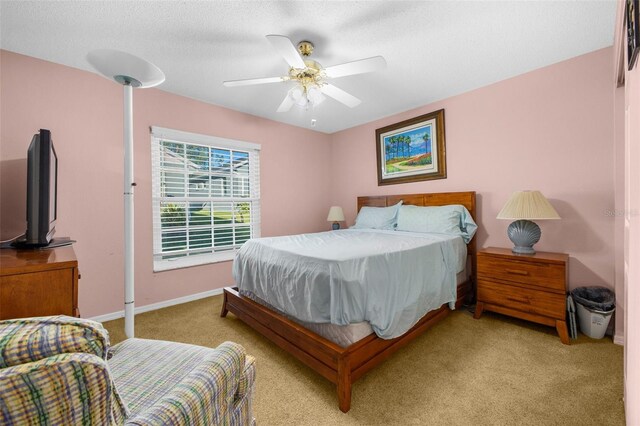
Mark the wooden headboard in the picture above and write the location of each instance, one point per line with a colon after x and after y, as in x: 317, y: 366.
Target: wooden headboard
x: 467, y: 199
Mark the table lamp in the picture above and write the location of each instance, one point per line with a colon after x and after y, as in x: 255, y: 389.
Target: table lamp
x: 525, y: 206
x: 336, y: 216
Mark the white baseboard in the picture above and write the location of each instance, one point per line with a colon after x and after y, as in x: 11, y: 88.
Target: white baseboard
x: 159, y: 305
x: 618, y: 340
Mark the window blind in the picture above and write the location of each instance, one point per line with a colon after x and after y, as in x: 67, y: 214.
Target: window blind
x: 206, y: 197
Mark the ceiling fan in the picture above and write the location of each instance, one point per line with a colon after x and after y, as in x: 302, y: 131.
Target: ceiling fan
x: 311, y: 77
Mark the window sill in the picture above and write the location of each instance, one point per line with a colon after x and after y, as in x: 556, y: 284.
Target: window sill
x: 189, y: 261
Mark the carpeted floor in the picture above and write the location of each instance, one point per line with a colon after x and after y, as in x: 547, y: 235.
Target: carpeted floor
x: 495, y: 370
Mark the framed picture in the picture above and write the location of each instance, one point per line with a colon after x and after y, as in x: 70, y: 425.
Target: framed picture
x: 412, y: 150
x: 633, y: 32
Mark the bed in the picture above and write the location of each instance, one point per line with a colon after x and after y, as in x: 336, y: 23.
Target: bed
x: 343, y: 365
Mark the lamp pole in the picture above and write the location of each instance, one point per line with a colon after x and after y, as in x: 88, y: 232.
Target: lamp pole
x: 129, y: 302
x: 130, y: 71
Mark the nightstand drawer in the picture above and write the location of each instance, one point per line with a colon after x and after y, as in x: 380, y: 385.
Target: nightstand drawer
x: 545, y: 275
x: 522, y: 299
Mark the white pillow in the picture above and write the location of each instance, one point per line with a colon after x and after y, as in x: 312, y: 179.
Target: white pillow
x: 453, y: 219
x: 377, y: 217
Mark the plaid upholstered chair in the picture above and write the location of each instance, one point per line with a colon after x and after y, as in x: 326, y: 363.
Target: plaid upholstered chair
x: 61, y: 371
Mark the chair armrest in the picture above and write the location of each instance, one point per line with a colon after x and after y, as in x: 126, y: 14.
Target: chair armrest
x: 242, y: 413
x: 31, y: 339
x: 247, y: 379
x: 204, y: 396
x: 63, y: 389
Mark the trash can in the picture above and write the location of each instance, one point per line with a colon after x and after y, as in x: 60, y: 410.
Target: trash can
x: 595, y: 307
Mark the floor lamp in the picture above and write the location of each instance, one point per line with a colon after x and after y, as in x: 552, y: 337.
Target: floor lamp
x: 130, y: 71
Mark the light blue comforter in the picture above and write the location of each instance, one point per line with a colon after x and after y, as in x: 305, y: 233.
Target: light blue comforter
x: 389, y: 278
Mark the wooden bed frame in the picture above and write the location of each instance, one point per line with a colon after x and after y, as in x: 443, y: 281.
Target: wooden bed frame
x: 339, y: 365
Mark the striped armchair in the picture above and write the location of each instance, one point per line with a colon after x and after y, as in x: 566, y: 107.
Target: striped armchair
x: 62, y: 371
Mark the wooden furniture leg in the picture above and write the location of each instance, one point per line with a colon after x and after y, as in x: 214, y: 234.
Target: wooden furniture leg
x: 561, y: 327
x: 224, y: 311
x: 344, y: 384
x: 479, y: 309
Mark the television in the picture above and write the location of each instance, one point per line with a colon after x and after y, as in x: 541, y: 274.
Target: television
x: 42, y: 191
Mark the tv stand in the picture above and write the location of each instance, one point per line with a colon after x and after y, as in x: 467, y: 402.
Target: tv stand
x: 38, y: 282
x: 55, y: 242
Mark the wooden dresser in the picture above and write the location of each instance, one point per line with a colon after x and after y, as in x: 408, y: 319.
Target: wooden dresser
x: 38, y: 282
x: 530, y: 287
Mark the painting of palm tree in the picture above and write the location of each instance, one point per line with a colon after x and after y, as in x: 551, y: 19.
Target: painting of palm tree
x: 412, y: 150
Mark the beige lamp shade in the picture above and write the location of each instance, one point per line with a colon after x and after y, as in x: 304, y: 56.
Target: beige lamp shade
x: 529, y: 205
x: 335, y: 214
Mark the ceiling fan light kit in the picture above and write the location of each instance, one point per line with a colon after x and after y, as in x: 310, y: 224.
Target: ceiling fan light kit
x: 310, y: 77
x: 306, y: 95
x: 315, y: 96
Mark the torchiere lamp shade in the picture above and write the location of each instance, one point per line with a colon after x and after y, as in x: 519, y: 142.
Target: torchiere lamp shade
x: 125, y: 68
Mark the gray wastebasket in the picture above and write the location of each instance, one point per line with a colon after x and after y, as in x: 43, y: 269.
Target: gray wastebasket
x: 595, y: 305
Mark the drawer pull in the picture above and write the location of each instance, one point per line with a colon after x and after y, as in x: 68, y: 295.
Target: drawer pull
x: 515, y: 299
x: 516, y: 272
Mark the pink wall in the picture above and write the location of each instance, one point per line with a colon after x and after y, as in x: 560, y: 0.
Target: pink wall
x: 84, y: 113
x: 550, y: 129
x: 619, y: 161
x: 631, y: 249
x: 632, y: 255
x: 632, y: 281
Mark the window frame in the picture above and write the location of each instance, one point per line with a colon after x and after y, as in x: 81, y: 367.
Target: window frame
x: 160, y: 134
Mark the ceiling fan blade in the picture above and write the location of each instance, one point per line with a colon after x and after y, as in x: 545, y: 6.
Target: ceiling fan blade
x: 285, y: 47
x: 356, y: 67
x: 252, y: 81
x: 340, y: 95
x: 286, y: 104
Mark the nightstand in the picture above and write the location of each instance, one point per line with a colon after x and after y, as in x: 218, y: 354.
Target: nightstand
x: 530, y: 287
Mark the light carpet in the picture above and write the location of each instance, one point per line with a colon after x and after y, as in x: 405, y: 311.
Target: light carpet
x: 493, y: 371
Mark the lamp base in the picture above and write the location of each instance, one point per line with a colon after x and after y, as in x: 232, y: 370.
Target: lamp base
x: 523, y: 234
x: 335, y: 226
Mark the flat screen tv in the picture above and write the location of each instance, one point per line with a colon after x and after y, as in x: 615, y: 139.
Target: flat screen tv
x: 42, y: 188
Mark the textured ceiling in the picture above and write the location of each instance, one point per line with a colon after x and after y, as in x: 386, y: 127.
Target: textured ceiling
x: 433, y: 49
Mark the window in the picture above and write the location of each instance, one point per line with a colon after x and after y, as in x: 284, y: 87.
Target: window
x: 206, y: 197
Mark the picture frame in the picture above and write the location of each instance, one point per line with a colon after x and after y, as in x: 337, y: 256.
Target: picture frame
x: 412, y: 150
x: 632, y: 16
